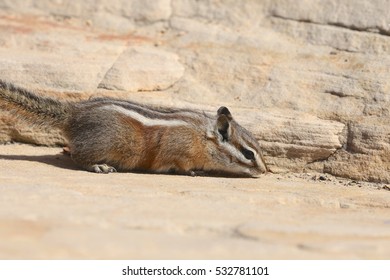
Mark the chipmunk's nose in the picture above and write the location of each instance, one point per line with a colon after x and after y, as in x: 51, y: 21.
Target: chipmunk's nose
x: 257, y: 171
x: 261, y: 166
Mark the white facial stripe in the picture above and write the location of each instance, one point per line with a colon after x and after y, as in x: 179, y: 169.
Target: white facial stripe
x: 258, y: 158
x: 144, y: 120
x: 245, y: 146
x: 235, y: 152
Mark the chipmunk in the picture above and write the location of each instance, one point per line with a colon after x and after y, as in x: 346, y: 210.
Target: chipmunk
x: 107, y: 135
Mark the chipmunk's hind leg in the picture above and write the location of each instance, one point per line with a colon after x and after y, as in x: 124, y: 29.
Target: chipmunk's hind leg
x: 92, y: 167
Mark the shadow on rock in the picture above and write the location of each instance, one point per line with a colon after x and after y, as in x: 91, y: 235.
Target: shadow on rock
x: 61, y: 161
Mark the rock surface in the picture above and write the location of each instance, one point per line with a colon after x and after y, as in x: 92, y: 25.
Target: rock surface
x: 143, y: 69
x: 310, y: 79
x: 55, y: 211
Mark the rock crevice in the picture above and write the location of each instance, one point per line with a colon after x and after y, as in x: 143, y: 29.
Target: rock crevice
x: 367, y: 29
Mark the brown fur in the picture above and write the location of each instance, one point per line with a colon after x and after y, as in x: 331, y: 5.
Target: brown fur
x: 106, y: 135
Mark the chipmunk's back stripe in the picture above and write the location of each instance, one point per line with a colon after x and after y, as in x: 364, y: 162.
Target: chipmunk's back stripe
x: 155, y: 113
x: 145, y: 120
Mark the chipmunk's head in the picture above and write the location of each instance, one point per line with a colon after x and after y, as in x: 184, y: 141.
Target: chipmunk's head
x: 233, y: 149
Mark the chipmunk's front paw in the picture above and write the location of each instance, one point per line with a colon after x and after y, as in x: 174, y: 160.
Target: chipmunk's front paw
x: 195, y: 173
x: 102, y: 168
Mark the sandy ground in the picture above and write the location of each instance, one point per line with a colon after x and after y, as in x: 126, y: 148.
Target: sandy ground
x: 52, y: 210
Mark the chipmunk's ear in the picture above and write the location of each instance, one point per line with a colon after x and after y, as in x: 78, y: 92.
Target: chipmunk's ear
x: 223, y: 127
x: 224, y: 111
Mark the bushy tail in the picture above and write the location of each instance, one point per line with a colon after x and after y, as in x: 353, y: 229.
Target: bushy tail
x: 32, y: 108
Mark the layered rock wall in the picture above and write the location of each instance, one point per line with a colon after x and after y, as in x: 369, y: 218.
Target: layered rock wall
x: 309, y: 78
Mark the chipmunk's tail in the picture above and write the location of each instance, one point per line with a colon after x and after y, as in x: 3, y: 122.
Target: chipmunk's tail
x: 30, y: 107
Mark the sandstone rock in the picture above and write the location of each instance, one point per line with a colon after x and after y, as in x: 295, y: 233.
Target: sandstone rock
x: 366, y: 16
x: 133, y: 10
x: 311, y: 80
x: 339, y: 38
x: 52, y: 210
x: 34, y: 53
x: 354, y: 26
x: 366, y: 154
x: 284, y: 136
x: 143, y: 69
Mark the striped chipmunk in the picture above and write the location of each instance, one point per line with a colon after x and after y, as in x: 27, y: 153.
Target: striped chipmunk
x: 106, y: 135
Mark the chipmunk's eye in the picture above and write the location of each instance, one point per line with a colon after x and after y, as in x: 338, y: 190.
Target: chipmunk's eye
x: 224, y: 134
x: 248, y: 154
